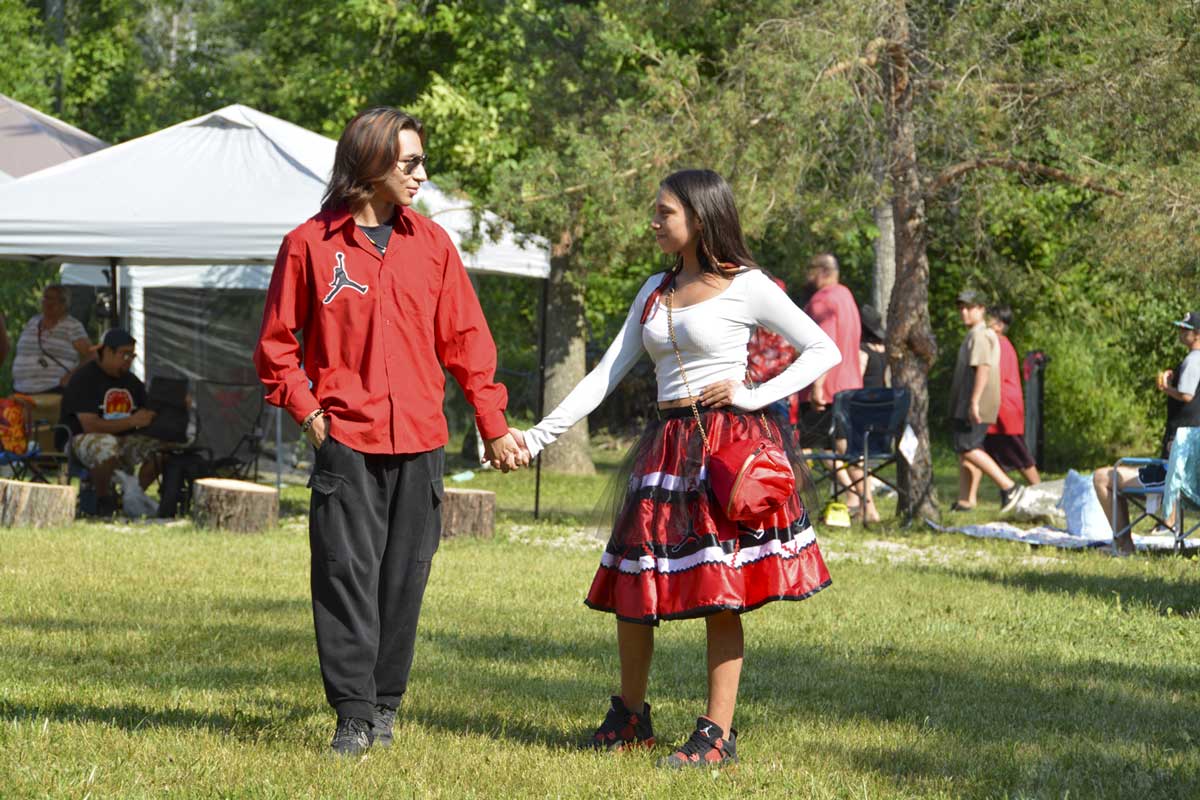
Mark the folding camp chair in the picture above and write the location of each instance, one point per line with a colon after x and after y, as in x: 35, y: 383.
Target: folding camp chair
x: 872, y: 422
x: 1180, y: 490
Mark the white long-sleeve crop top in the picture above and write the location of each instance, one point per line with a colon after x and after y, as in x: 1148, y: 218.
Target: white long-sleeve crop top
x: 713, y: 336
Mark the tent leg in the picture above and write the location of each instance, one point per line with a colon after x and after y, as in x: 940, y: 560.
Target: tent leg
x: 541, y: 391
x: 114, y: 311
x: 278, y: 449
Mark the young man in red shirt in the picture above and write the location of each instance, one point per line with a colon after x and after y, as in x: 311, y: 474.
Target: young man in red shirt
x: 383, y: 303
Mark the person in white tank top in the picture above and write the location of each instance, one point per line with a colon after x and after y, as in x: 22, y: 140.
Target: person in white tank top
x: 673, y: 554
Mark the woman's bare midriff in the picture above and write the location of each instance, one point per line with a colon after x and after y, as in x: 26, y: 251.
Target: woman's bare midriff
x: 683, y: 402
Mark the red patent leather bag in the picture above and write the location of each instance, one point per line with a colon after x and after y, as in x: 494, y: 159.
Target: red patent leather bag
x: 750, y: 478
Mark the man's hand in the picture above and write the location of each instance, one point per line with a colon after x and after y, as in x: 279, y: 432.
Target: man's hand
x: 976, y: 417
x: 317, y: 432
x: 504, y: 453
x: 141, y: 418
x: 719, y: 394
x: 1165, y: 379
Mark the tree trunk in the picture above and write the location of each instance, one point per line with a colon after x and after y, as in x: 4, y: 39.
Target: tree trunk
x: 468, y: 512
x: 231, y: 505
x: 566, y: 360
x: 912, y: 348
x: 885, y: 259
x: 35, y: 505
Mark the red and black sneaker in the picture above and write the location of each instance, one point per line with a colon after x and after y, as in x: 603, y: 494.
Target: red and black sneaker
x: 706, y: 747
x: 622, y: 729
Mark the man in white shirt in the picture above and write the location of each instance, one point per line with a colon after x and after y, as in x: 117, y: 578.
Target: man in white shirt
x: 1182, y: 389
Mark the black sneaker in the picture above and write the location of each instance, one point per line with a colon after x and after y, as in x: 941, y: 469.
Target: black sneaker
x: 352, y: 737
x: 1009, y: 499
x: 622, y: 729
x: 706, y: 747
x: 381, y: 726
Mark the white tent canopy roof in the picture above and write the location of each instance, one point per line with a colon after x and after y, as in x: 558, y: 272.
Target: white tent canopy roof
x: 223, y: 188
x: 31, y: 140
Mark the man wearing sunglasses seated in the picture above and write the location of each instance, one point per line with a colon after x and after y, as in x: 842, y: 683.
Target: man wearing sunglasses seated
x: 104, y: 406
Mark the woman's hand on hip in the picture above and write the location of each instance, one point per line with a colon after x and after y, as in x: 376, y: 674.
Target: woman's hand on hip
x: 719, y: 394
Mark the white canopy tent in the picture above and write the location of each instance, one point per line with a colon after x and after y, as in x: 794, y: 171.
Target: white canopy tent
x: 31, y: 140
x: 221, y: 189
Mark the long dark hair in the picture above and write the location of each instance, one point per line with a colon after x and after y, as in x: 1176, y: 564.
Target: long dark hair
x: 367, y: 151
x: 707, y: 198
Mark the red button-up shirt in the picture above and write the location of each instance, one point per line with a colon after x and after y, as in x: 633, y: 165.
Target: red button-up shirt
x: 377, y: 331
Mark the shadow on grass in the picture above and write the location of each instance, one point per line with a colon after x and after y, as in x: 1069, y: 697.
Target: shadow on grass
x: 133, y: 718
x: 1159, y: 593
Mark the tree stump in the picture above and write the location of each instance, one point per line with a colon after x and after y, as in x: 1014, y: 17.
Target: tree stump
x: 230, y: 505
x: 36, y: 505
x: 468, y: 512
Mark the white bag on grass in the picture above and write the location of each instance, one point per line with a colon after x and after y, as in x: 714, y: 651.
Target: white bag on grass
x: 135, y: 502
x: 1041, y: 502
x: 1085, y: 516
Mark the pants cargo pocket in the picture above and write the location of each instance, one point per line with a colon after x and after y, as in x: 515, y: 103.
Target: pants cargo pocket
x: 326, y: 517
x: 433, y: 522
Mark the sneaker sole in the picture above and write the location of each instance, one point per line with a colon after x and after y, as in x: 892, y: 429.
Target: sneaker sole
x: 621, y: 747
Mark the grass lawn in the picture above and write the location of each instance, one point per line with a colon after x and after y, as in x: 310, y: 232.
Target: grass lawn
x: 140, y: 661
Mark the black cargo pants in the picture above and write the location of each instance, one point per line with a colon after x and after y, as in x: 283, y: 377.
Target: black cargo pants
x: 374, y: 524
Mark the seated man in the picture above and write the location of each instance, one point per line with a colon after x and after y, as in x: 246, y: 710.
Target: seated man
x: 103, y: 407
x: 50, y: 347
x: 1183, y: 411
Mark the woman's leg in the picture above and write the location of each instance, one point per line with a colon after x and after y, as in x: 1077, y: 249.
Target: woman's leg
x: 725, y: 651
x: 635, y: 645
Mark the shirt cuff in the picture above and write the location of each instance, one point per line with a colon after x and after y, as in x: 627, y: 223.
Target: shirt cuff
x: 745, y: 399
x: 301, y: 405
x: 492, y: 425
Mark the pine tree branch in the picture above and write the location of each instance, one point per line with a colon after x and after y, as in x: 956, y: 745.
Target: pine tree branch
x: 1028, y: 168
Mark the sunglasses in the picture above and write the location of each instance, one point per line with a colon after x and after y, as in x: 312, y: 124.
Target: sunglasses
x: 410, y: 165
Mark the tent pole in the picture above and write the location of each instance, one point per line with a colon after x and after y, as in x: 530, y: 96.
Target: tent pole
x: 278, y: 449
x: 114, y: 311
x: 541, y: 391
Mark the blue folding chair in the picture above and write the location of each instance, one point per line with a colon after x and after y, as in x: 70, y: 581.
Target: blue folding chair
x: 872, y: 422
x: 1177, y: 493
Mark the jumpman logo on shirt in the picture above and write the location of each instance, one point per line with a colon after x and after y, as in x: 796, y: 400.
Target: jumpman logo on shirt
x: 342, y: 281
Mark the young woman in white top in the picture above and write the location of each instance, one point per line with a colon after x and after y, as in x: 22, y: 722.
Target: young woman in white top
x: 673, y: 554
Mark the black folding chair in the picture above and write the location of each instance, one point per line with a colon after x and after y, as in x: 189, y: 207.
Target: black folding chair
x: 872, y: 422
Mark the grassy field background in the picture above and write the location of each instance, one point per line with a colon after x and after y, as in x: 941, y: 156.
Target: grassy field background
x: 152, y: 661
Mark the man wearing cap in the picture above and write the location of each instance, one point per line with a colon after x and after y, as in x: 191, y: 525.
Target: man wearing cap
x: 103, y: 407
x: 1182, y: 389
x: 975, y: 403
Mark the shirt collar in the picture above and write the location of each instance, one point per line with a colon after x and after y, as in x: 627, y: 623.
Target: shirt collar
x: 338, y: 218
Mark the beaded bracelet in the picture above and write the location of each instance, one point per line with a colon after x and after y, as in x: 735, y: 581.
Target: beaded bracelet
x: 308, y: 421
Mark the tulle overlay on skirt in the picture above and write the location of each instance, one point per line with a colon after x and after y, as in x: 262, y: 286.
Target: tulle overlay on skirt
x: 673, y: 554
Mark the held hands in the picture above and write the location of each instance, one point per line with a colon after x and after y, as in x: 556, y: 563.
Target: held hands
x: 719, y: 394
x: 505, y: 454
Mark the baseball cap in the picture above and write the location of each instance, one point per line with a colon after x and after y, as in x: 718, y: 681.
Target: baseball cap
x: 114, y: 338
x: 1191, y: 321
x: 970, y: 297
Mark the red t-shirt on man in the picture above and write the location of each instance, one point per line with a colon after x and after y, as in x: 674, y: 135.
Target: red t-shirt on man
x: 834, y: 309
x: 377, y: 331
x: 1011, y: 419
